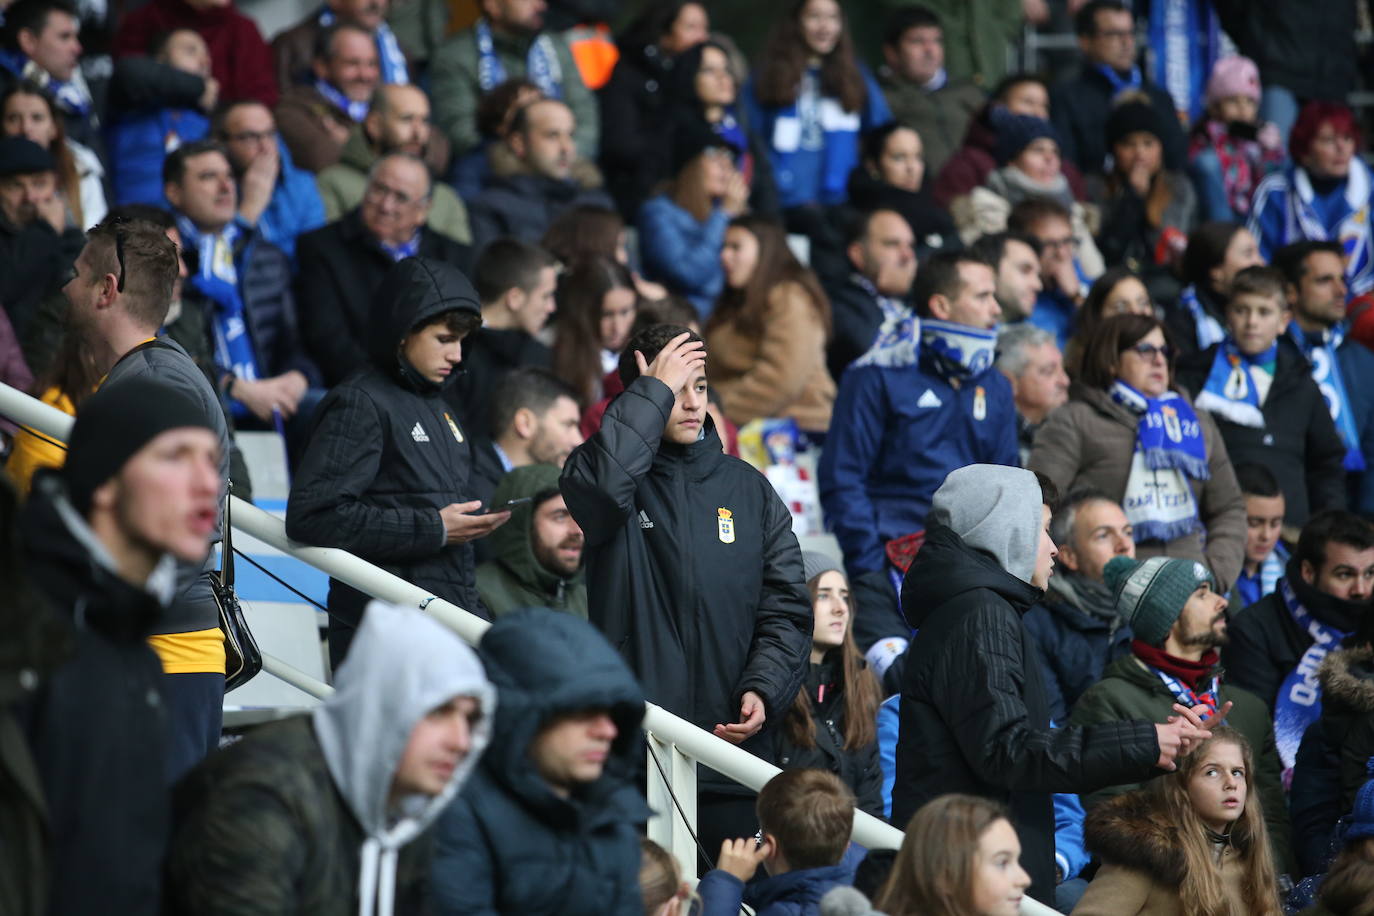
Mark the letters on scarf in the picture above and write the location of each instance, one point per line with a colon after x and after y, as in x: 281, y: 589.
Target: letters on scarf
x: 1320, y: 351
x: 1232, y: 389
x: 1169, y: 449
x: 217, y: 279
x: 1299, y: 702
x: 541, y: 64
x: 1186, y: 38
x: 389, y: 54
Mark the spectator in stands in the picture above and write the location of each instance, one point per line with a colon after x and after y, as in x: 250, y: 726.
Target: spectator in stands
x: 1216, y: 252
x: 550, y: 822
x: 1230, y: 148
x: 138, y: 494
x: 294, y: 48
x: 973, y: 715
x: 596, y: 301
x: 977, y: 39
x: 509, y: 41
x: 317, y: 116
x: 1081, y: 105
x: 494, y: 115
x: 1266, y: 557
x: 1260, y: 391
x: 635, y: 107
x: 537, y: 558
x: 533, y: 420
x: 873, y: 297
x: 292, y: 816
x: 157, y: 103
x: 260, y: 364
x: 1348, y: 883
x: 274, y: 196
x: 36, y: 244
x: 661, y: 884
x: 892, y: 177
x: 682, y: 227
x: 29, y: 112
x: 805, y: 817
x: 1015, y: 257
x: 397, y: 121
x: 1323, y: 195
x: 410, y: 514
x: 766, y: 335
x: 536, y: 175
x: 959, y: 850
x: 1159, y: 849
x: 831, y: 723
x: 655, y: 463
x: 40, y: 46
x: 1343, y: 368
x: 1077, y: 626
x: 1177, y: 487
x: 919, y: 89
x: 343, y: 263
x: 1031, y: 361
x: 1323, y: 597
x: 593, y: 231
x: 1119, y: 291
x: 811, y: 97
x: 240, y: 60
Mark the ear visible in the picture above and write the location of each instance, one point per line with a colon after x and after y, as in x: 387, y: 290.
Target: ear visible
x: 516, y: 141
x: 1286, y: 316
x: 1309, y: 572
x: 318, y: 67
x: 855, y: 253
x: 1068, y: 557
x: 106, y: 495
x: 940, y: 307
x: 515, y: 299
x: 525, y: 423
x: 28, y: 42
x: 172, y: 191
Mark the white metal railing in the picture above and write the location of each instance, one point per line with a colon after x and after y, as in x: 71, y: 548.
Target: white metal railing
x: 679, y: 744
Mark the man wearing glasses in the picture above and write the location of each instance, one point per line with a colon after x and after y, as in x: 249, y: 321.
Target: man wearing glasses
x: 1064, y: 281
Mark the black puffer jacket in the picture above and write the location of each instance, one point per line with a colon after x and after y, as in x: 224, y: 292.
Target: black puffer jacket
x: 386, y: 455
x: 693, y: 571
x: 1313, y: 56
x: 974, y: 717
x: 634, y: 122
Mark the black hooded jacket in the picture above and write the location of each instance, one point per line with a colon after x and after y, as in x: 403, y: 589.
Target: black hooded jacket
x: 693, y: 571
x: 386, y: 454
x: 974, y: 714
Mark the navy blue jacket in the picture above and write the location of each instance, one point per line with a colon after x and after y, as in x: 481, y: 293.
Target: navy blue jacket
x: 1075, y: 647
x: 887, y: 452
x: 794, y: 893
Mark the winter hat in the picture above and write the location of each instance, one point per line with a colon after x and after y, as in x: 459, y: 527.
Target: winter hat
x: 994, y: 509
x: 1015, y: 132
x: 1234, y: 75
x: 1133, y: 117
x: 1361, y: 820
x: 20, y: 156
x: 814, y: 563
x: 692, y: 136
x: 115, y: 423
x: 1150, y: 594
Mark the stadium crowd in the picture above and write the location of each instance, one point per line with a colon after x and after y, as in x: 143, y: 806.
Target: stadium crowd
x: 1083, y: 361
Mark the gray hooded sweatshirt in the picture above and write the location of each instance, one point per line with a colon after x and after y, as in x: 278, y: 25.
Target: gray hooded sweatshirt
x: 996, y: 510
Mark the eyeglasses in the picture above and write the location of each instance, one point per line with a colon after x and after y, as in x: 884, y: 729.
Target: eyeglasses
x: 1068, y: 243
x: 1148, y: 352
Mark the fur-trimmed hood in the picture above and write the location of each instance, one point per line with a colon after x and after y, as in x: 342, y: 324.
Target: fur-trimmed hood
x: 1347, y: 678
x: 1132, y: 830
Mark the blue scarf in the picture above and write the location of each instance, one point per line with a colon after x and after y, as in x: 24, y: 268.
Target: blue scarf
x: 898, y: 338
x: 1185, y: 35
x: 1209, y: 330
x: 1159, y: 500
x: 389, y: 54
x: 1299, y: 702
x: 356, y: 111
x: 1231, y: 391
x: 1326, y: 372
x: 959, y: 350
x: 541, y: 63
x: 1252, y: 588
x: 73, y: 96
x: 1120, y: 84
x: 217, y: 279
x: 404, y: 250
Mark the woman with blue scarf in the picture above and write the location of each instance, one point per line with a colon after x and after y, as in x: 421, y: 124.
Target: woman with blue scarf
x: 1126, y: 432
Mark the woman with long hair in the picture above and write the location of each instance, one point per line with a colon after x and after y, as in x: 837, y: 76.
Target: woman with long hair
x: 27, y: 111
x: 810, y: 99
x: 765, y: 340
x: 1216, y: 252
x: 1119, y: 291
x: 1192, y: 842
x: 596, y: 309
x: 594, y: 231
x: 892, y: 176
x: 832, y: 724
x: 960, y: 857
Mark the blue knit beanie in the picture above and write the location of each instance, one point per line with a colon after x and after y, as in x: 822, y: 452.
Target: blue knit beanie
x: 1015, y: 132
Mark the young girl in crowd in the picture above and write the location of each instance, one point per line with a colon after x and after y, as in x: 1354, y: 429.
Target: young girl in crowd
x: 596, y: 309
x: 27, y: 111
x: 660, y: 882
x: 1216, y: 252
x: 892, y: 176
x: 960, y: 857
x: 1193, y: 842
x: 832, y: 724
x: 1231, y: 150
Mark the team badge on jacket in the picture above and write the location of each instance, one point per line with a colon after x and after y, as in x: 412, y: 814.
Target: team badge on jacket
x: 980, y: 403
x: 457, y: 433
x: 725, y: 523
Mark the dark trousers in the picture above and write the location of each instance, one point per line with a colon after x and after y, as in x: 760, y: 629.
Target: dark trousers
x: 722, y: 817
x: 195, y: 714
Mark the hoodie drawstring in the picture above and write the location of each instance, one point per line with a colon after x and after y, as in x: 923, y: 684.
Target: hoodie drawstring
x: 377, y: 880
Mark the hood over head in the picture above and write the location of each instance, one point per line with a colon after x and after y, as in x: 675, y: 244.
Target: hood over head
x: 995, y: 510
x: 513, y: 543
x: 414, y: 291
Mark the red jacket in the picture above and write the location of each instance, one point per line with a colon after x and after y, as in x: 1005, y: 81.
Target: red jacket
x: 239, y: 58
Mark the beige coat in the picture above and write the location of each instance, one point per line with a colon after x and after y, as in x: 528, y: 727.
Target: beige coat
x: 782, y: 373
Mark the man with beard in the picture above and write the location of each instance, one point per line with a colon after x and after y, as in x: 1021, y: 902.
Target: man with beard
x: 538, y: 556
x: 1015, y: 257
x: 1179, y: 621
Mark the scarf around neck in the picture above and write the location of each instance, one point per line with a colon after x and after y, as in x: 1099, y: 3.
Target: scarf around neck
x: 1189, y: 673
x: 216, y: 277
x: 1014, y: 186
x: 897, y: 341
x: 1169, y: 449
x: 1299, y: 700
x: 541, y: 63
x: 389, y: 54
x: 960, y: 350
x: 1209, y: 329
x: 356, y: 111
x: 72, y: 95
x: 1232, y: 387
x: 1320, y: 350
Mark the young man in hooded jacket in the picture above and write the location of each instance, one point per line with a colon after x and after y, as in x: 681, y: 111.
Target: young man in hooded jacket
x: 386, y: 473
x: 330, y: 812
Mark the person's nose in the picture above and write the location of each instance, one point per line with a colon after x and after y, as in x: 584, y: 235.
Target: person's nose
x: 692, y: 399
x: 207, y: 476
x: 603, y: 726
x: 459, y: 735
x: 1362, y: 588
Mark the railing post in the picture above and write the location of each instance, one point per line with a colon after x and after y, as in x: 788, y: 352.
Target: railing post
x: 667, y: 827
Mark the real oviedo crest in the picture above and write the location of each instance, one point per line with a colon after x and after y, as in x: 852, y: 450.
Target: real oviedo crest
x: 1172, y: 427
x: 725, y: 526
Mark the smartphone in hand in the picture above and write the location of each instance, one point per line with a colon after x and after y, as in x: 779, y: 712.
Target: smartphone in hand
x: 507, y: 505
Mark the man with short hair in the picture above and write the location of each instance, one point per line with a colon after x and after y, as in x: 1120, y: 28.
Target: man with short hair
x: 534, y: 420
x: 397, y: 122
x: 536, y: 560
x: 1064, y: 282
x: 508, y: 42
x: 919, y: 90
x: 550, y: 821
x: 536, y: 175
x: 1077, y: 627
x: 1266, y: 557
x: 35, y: 244
x: 275, y: 196
x: 41, y: 45
x: 343, y: 263
x: 294, y: 48
x: 1031, y: 361
x: 317, y: 115
x: 1015, y: 257
x: 1080, y: 105
x: 138, y: 496
x: 873, y: 296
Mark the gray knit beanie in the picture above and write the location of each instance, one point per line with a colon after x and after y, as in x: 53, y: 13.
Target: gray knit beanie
x: 1150, y: 594
x: 814, y: 563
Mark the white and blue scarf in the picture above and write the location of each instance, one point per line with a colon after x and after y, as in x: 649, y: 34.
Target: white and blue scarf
x: 356, y: 111
x: 1232, y: 390
x: 1320, y: 351
x: 389, y: 54
x: 897, y: 342
x: 1299, y: 702
x: 1169, y: 449
x: 541, y: 64
x: 1302, y: 221
x: 73, y: 96
x: 1209, y: 330
x: 959, y: 350
x: 217, y: 279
